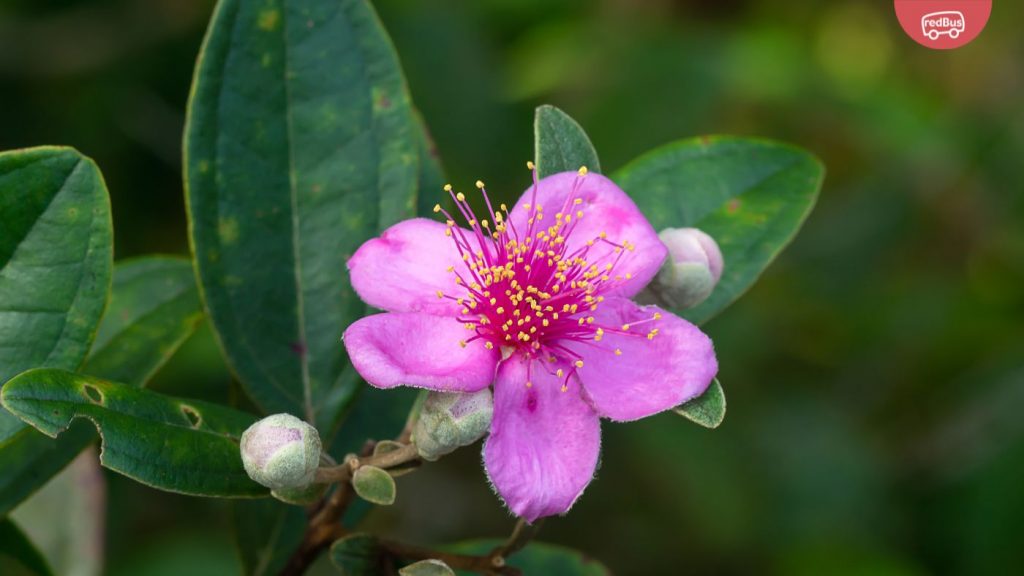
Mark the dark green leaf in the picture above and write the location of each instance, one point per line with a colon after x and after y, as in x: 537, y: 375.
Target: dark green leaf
x: 560, y: 144
x: 751, y: 196
x: 708, y: 409
x: 374, y: 485
x: 267, y: 533
x: 56, y: 249
x: 539, y: 558
x: 357, y: 555
x: 300, y: 144
x: 18, y: 557
x: 154, y: 308
x: 176, y: 445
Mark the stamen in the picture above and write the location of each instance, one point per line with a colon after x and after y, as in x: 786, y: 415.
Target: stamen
x: 524, y: 291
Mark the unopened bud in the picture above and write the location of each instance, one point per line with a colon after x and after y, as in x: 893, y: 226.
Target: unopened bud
x: 450, y: 420
x: 281, y: 452
x: 692, y: 270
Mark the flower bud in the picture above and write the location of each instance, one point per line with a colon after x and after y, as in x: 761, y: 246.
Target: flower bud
x: 693, y: 268
x: 449, y: 420
x: 281, y: 452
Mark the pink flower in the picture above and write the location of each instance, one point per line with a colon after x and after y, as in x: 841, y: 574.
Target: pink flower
x: 536, y: 301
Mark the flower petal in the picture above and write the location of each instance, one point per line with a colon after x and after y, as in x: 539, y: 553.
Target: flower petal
x: 420, y: 350
x: 606, y: 208
x: 651, y: 375
x: 544, y: 443
x: 403, y: 269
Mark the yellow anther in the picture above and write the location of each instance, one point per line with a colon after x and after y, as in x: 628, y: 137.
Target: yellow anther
x: 559, y: 372
x: 480, y: 184
x: 657, y: 315
x: 462, y: 343
x: 440, y: 294
x: 579, y: 363
x: 437, y: 208
x: 489, y: 345
x: 460, y: 197
x: 500, y: 310
x: 625, y: 326
x: 530, y: 165
x: 447, y: 187
x: 582, y: 171
x: 618, y: 352
x: 529, y: 384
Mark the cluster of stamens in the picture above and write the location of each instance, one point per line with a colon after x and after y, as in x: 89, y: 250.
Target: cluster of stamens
x: 524, y: 291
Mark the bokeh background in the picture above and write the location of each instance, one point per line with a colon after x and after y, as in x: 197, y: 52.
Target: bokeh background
x: 875, y: 374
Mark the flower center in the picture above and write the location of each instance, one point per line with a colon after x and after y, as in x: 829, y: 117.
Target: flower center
x: 529, y: 291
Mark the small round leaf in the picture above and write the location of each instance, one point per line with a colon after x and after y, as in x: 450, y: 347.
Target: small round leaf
x: 374, y: 485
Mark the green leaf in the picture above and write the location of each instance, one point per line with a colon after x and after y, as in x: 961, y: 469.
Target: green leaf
x: 560, y: 144
x: 56, y: 250
x: 18, y: 557
x: 176, y: 445
x: 750, y: 195
x: 300, y: 145
x: 267, y: 532
x: 708, y: 409
x: 357, y: 555
x: 66, y: 518
x: 427, y: 568
x: 538, y: 558
x: 374, y: 485
x: 154, y: 307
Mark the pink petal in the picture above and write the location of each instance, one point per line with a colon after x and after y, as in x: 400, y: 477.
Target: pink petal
x: 420, y: 350
x: 402, y: 270
x: 606, y: 208
x: 651, y: 375
x: 544, y: 443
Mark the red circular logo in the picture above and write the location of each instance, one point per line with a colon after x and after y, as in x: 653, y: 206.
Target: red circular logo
x: 943, y: 24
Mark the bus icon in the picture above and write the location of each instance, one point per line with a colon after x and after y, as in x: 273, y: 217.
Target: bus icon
x: 950, y: 23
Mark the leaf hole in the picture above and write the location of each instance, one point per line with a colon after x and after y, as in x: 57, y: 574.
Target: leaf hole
x: 193, y: 417
x: 93, y: 394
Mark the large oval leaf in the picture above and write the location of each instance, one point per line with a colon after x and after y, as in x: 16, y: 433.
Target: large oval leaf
x: 56, y: 250
x: 301, y: 144
x: 176, y: 445
x: 750, y: 195
x: 560, y: 144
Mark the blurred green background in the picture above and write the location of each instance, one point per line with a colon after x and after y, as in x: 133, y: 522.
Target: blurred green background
x: 875, y: 374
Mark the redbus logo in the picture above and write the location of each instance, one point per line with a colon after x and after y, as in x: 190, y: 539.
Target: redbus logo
x: 938, y: 23
x: 943, y: 24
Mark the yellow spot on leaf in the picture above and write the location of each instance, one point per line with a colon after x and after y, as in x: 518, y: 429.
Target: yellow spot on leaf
x: 269, y: 19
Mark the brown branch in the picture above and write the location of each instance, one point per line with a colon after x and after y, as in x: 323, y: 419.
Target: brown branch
x: 344, y: 471
x: 325, y: 523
